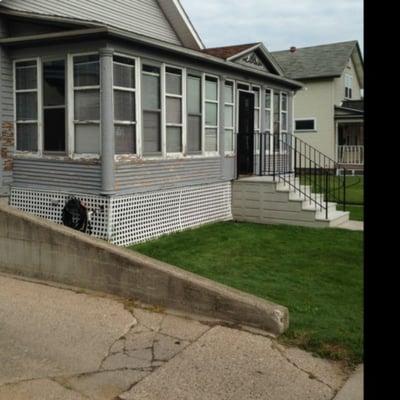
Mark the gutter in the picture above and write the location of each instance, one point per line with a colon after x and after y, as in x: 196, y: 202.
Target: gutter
x: 179, y: 50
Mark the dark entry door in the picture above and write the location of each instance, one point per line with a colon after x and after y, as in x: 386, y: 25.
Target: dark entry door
x: 245, y: 150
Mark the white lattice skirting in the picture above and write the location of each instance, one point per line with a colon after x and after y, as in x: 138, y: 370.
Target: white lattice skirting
x: 125, y: 220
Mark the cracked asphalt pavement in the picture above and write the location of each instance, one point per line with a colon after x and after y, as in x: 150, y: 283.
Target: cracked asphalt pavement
x: 62, y: 343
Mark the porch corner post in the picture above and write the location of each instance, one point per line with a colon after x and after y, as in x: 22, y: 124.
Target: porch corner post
x: 107, y: 122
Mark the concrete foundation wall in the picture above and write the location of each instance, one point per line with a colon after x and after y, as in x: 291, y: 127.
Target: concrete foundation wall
x: 39, y: 249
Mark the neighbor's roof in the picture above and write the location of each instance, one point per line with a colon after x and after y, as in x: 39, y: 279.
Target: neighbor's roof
x: 229, y: 51
x: 328, y: 60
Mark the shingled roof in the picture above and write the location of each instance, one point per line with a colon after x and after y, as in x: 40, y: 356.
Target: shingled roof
x: 327, y: 60
x: 229, y: 51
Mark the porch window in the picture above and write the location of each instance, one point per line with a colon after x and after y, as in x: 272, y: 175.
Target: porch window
x: 54, y: 106
x: 124, y: 105
x: 151, y: 103
x: 257, y: 114
x: 268, y: 110
x: 348, y: 86
x: 229, y: 115
x: 174, y: 104
x: 195, y: 114
x: 277, y: 120
x: 211, y: 106
x: 284, y: 112
x: 87, y: 104
x: 26, y: 101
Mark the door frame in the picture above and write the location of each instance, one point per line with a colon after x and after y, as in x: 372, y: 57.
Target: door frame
x: 239, y: 91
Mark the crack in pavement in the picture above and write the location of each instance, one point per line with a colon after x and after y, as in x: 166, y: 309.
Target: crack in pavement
x: 275, y: 346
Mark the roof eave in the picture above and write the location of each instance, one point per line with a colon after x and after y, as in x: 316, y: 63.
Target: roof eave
x: 113, y: 32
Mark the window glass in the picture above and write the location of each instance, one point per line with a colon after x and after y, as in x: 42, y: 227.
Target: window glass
x: 26, y: 75
x: 228, y: 140
x: 27, y: 138
x: 174, y: 139
x: 124, y: 72
x: 54, y: 83
x: 211, y: 114
x: 125, y: 142
x: 229, y: 95
x: 194, y: 134
x: 211, y: 89
x: 194, y: 95
x: 229, y: 116
x: 87, y: 138
x: 27, y: 107
x: 124, y: 106
x: 87, y: 105
x: 211, y: 139
x: 151, y: 132
x: 305, y: 124
x: 151, y: 92
x: 86, y: 71
x: 194, y: 118
x: 174, y: 110
x: 173, y: 79
x: 54, y: 124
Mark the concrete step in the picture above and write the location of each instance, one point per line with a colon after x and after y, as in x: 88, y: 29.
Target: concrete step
x: 335, y: 218
x: 306, y: 206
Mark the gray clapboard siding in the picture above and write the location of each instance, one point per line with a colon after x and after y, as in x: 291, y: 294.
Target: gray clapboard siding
x: 61, y: 175
x: 165, y: 174
x: 140, y: 16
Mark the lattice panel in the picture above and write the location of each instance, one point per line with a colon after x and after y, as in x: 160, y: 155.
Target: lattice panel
x: 137, y: 218
x: 49, y: 205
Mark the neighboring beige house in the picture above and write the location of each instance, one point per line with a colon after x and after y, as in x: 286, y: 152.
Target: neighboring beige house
x: 329, y: 111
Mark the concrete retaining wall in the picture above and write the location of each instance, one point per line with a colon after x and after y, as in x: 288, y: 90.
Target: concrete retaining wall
x: 39, y: 249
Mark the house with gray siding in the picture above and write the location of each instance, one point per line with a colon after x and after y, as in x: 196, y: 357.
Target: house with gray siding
x: 329, y: 110
x: 120, y: 105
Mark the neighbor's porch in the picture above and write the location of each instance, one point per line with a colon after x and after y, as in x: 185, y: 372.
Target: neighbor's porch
x: 350, y: 138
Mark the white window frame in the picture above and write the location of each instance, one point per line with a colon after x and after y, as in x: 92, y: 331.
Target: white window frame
x: 283, y: 112
x: 39, y: 120
x: 71, y: 110
x: 161, y: 66
x: 305, y: 130
x: 205, y: 126
x: 233, y: 127
x: 258, y: 90
x: 348, y: 84
x: 136, y: 90
x: 182, y: 97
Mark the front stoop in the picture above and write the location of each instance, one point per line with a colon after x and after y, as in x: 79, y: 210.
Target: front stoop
x: 261, y: 200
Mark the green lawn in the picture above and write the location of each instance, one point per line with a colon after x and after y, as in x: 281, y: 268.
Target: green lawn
x: 354, y: 187
x: 316, y: 273
x: 354, y: 193
x: 356, y: 212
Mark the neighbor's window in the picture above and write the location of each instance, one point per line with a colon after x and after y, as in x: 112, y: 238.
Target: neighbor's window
x: 211, y: 106
x: 348, y: 86
x: 194, y: 115
x: 284, y: 112
x: 229, y: 115
x: 87, y: 104
x: 174, y: 103
x: 26, y: 98
x: 303, y: 125
x: 151, y: 104
x: 54, y: 106
x: 124, y: 105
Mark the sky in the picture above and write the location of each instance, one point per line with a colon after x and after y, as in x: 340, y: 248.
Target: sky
x: 280, y: 24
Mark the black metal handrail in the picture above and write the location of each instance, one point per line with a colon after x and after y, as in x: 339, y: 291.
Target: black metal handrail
x: 298, y: 164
